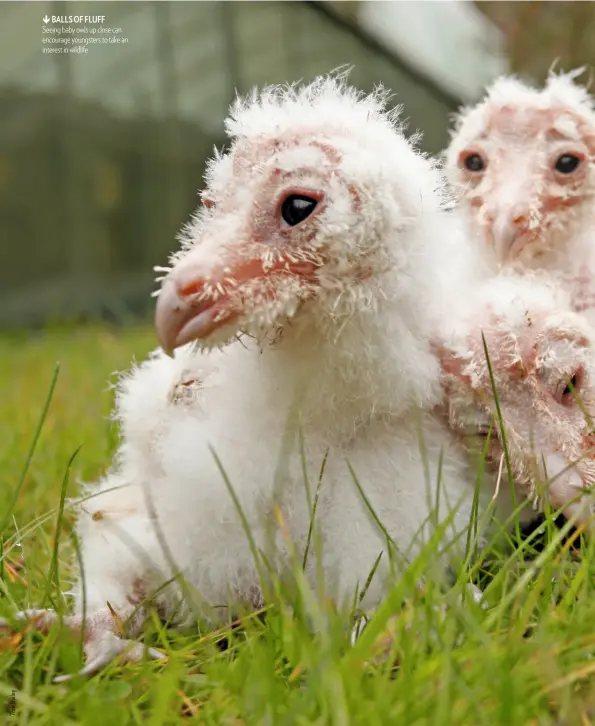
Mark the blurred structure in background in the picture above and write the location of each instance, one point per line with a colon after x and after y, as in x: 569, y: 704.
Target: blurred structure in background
x: 538, y: 33
x: 102, y: 152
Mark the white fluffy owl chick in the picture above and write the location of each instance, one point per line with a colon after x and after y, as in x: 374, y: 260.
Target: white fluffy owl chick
x: 317, y: 241
x: 542, y: 357
x: 522, y: 164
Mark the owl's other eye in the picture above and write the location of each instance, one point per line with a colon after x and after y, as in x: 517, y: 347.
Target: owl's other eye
x: 567, y: 163
x: 473, y: 161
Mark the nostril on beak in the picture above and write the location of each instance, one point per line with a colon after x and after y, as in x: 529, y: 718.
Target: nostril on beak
x: 509, y: 225
x: 189, y: 281
x: 520, y: 217
x: 190, y: 289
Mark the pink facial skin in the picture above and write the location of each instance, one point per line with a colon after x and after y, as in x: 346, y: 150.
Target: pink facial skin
x: 522, y: 163
x: 543, y: 366
x: 268, y: 244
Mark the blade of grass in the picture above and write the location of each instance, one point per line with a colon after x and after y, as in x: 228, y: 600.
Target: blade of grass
x: 79, y: 560
x: 243, y: 520
x: 502, y: 432
x: 370, y: 577
x: 313, y: 508
x: 472, y: 532
x: 375, y: 517
x: 53, y: 573
x: 189, y: 592
x: 31, y: 452
x: 527, y: 576
x: 302, y: 445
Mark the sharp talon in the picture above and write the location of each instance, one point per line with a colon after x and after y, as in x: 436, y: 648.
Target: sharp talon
x: 157, y: 654
x: 92, y: 667
x: 137, y: 652
x: 63, y: 679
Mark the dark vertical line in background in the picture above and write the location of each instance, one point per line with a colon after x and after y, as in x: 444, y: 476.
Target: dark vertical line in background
x: 369, y: 42
x: 230, y: 43
x: 146, y: 151
x: 143, y: 156
x: 166, y: 58
x: 168, y: 150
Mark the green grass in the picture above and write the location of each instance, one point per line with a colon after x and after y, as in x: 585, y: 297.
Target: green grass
x: 526, y: 659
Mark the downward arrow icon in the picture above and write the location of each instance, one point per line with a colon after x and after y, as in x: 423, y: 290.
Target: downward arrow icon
x: 46, y: 19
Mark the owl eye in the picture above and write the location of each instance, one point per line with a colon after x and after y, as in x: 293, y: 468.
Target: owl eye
x: 473, y: 161
x: 567, y: 163
x: 295, y: 206
x: 570, y: 387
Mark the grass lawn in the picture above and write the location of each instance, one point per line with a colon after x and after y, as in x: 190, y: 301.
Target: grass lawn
x: 525, y: 659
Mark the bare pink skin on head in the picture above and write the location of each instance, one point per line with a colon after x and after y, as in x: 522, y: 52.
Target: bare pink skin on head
x: 522, y: 163
x: 543, y: 372
x: 271, y: 266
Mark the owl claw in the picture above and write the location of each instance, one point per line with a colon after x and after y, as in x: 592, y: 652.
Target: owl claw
x: 102, y: 644
x: 103, y: 648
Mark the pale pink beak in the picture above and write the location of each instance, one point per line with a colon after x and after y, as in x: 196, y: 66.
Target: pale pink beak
x: 509, y: 225
x: 196, y: 300
x: 181, y: 317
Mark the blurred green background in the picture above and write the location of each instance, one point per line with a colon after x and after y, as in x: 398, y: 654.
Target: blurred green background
x: 102, y: 153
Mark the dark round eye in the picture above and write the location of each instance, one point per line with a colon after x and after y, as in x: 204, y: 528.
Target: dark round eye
x: 473, y: 162
x: 296, y: 208
x: 567, y: 163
